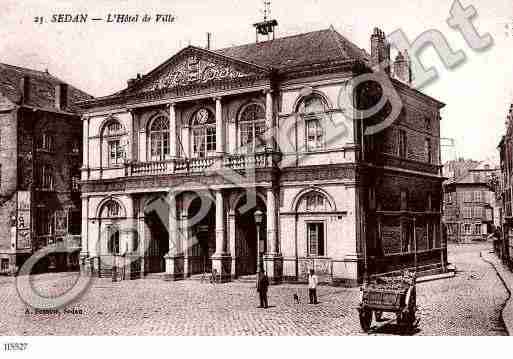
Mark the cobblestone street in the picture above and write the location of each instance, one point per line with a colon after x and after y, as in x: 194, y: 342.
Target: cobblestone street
x: 468, y: 304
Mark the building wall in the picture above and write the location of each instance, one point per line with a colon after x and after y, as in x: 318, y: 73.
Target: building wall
x: 54, y: 210
x: 9, y: 176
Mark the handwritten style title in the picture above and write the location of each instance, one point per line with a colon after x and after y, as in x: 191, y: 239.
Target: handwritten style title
x: 110, y: 18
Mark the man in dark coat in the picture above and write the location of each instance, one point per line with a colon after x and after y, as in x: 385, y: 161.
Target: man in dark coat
x: 262, y: 286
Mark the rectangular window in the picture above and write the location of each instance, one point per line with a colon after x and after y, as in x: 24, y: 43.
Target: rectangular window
x: 44, y: 222
x: 467, y: 196
x: 198, y: 143
x: 314, y: 135
x: 116, y: 155
x: 74, y: 219
x: 402, y: 147
x: 246, y: 136
x: 4, y: 265
x: 467, y: 212
x: 477, y: 229
x: 211, y: 140
x: 46, y: 142
x: 315, y: 238
x: 428, y: 150
x: 75, y: 183
x: 46, y: 177
x: 477, y: 196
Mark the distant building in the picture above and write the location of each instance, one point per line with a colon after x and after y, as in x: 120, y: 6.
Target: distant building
x: 471, y: 211
x: 40, y: 160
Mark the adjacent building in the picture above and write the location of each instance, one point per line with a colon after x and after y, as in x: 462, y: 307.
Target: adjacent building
x: 40, y: 160
x: 471, y: 210
x: 505, y: 189
x: 171, y: 162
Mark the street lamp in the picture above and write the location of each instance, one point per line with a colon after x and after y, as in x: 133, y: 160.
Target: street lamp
x: 258, y: 220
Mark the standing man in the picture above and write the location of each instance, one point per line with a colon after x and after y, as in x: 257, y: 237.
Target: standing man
x: 262, y: 285
x: 313, y: 280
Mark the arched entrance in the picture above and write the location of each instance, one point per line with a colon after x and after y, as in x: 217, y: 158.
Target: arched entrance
x: 246, y: 245
x: 156, y: 217
x: 201, y: 213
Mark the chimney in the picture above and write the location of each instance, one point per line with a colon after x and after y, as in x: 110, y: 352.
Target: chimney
x: 209, y: 40
x: 25, y: 88
x: 402, y: 70
x: 61, y: 96
x: 380, y: 50
x: 131, y: 82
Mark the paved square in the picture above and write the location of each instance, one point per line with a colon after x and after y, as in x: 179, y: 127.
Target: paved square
x: 469, y: 304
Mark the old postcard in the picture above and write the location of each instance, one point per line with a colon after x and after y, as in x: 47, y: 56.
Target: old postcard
x: 254, y: 168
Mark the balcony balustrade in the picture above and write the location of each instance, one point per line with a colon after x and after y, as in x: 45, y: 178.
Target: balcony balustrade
x: 200, y: 165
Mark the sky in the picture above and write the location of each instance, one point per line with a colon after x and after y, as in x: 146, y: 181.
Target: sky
x: 99, y: 57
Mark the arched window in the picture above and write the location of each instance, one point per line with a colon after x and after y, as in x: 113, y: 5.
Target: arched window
x: 203, y: 134
x: 111, y: 209
x: 112, y: 143
x: 159, y: 139
x: 314, y: 201
x: 252, y: 128
x: 313, y: 109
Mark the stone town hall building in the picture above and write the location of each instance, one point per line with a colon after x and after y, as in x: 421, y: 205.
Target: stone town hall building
x: 199, y: 125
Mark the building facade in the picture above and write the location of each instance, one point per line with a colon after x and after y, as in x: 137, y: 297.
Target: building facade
x: 180, y: 166
x: 505, y: 190
x: 40, y: 160
x: 471, y: 211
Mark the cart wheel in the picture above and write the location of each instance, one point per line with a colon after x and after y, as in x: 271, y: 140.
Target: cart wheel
x: 365, y: 319
x: 378, y: 314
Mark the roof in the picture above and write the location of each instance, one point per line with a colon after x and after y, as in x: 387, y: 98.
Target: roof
x: 298, y: 50
x: 467, y: 168
x: 42, y: 87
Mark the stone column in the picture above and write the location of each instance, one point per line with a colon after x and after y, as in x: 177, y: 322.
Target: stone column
x: 221, y: 260
x: 219, y: 127
x: 174, y: 259
x: 185, y: 234
x: 86, y: 164
x: 272, y: 237
x: 143, y: 153
x: 84, y: 252
x: 232, y: 238
x: 172, y: 130
x: 186, y: 132
x: 131, y: 136
x: 141, y: 230
x: 273, y: 260
x: 128, y: 239
x: 269, y: 119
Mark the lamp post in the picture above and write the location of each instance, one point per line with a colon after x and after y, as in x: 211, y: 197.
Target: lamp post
x: 258, y: 220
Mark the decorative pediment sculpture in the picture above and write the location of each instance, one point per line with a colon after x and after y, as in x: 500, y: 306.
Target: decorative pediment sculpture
x: 192, y: 68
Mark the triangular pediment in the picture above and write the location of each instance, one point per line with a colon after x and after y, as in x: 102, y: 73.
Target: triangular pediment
x: 194, y: 65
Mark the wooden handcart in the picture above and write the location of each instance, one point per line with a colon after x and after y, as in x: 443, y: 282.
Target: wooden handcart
x: 389, y: 294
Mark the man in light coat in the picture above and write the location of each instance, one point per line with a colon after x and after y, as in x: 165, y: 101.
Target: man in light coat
x: 313, y: 281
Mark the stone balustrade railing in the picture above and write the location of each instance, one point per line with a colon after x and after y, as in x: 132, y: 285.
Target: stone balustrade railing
x: 199, y: 165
